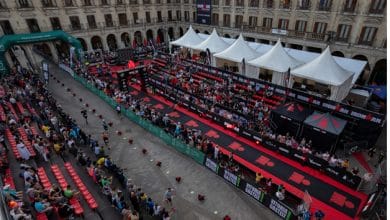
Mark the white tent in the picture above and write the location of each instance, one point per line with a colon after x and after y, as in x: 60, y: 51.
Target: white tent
x: 214, y: 43
x: 325, y: 70
x: 277, y: 60
x: 189, y: 39
x: 238, y: 52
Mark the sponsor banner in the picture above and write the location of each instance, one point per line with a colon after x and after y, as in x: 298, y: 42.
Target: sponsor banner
x: 211, y: 165
x: 233, y: 179
x: 203, y: 12
x: 253, y: 191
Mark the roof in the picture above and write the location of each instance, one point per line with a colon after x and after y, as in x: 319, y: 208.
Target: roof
x: 189, y: 39
x: 214, y: 43
x: 323, y: 69
x: 294, y: 111
x: 238, y: 51
x: 326, y: 122
x: 276, y: 59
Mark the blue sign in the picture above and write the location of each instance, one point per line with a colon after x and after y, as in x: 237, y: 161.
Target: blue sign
x: 203, y: 11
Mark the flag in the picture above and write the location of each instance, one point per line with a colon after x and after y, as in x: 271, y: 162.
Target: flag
x: 287, y: 77
x: 158, y: 40
x: 208, y: 58
x: 243, y: 66
x: 134, y: 44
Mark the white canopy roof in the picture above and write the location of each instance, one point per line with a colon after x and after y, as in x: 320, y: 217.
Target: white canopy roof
x: 189, y: 39
x: 213, y: 42
x: 238, y: 51
x: 276, y: 59
x: 323, y: 69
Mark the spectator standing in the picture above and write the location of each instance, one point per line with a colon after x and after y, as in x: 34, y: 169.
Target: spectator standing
x: 319, y: 215
x: 371, y: 153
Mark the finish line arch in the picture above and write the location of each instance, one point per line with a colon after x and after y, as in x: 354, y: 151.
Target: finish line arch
x: 7, y: 41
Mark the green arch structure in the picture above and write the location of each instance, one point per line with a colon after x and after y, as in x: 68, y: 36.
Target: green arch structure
x: 7, y: 41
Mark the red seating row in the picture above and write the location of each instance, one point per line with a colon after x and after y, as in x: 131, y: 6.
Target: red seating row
x: 34, y: 131
x: 210, y: 76
x: 26, y: 142
x: 8, y: 179
x: 43, y: 178
x: 31, y: 109
x: 2, y: 114
x: 9, y: 105
x: 78, y: 210
x: 20, y: 107
x: 12, y: 142
x: 83, y: 189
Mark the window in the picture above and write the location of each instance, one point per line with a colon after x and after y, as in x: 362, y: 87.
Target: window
x: 367, y: 35
x: 122, y: 19
x: 119, y: 2
x: 300, y: 26
x: 169, y: 15
x: 215, y: 2
x: 75, y: 22
x: 133, y: 2
x: 24, y: 4
x: 254, y: 3
x: 325, y: 5
x: 147, y: 17
x: 105, y: 2
x: 55, y: 23
x: 178, y: 15
x: 239, y: 19
x: 146, y: 2
x: 252, y: 21
x: 349, y: 5
x: 377, y: 6
x: 48, y: 3
x: 215, y: 19
x: 343, y: 32
x: 158, y: 1
x: 68, y: 3
x: 168, y: 1
x: 186, y: 15
x: 33, y: 25
x: 268, y: 3
x: 227, y: 2
x: 320, y: 27
x: 159, y: 17
x: 267, y: 22
x: 108, y: 20
x: 240, y: 3
x: 6, y: 26
x: 285, y: 4
x: 283, y: 24
x: 87, y: 2
x: 226, y: 20
x: 186, y: 1
x: 91, y: 21
x: 304, y: 4
x: 135, y: 18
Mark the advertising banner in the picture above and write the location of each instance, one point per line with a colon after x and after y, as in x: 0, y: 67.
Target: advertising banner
x: 203, y: 12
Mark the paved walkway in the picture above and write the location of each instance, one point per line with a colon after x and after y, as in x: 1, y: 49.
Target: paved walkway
x: 221, y: 198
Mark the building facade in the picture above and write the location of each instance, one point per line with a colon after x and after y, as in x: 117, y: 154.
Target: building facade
x: 353, y: 28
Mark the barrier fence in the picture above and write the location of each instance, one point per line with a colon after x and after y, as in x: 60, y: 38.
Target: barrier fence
x: 278, y: 207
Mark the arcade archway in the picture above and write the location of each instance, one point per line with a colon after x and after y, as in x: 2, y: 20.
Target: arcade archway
x: 96, y: 43
x: 111, y: 42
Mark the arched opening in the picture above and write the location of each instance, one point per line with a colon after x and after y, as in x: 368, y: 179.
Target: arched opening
x: 181, y: 32
x: 44, y: 48
x: 83, y: 44
x: 314, y: 49
x: 111, y: 42
x: 250, y: 39
x: 263, y: 41
x: 138, y: 37
x: 236, y: 37
x: 171, y: 33
x: 149, y: 35
x: 337, y: 54
x: 125, y: 38
x: 226, y: 35
x: 206, y: 32
x: 378, y: 75
x: 96, y: 43
x: 62, y: 48
x: 160, y: 36
x: 197, y: 31
x: 363, y: 58
x: 363, y: 78
x: 296, y: 46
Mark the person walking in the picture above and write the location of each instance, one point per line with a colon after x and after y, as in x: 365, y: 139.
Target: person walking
x: 85, y: 115
x: 105, y: 126
x: 168, y: 196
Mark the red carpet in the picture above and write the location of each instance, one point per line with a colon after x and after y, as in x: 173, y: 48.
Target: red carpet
x: 331, y: 213
x: 359, y: 156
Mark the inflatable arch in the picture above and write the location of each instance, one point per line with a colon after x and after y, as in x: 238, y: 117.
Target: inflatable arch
x: 7, y: 41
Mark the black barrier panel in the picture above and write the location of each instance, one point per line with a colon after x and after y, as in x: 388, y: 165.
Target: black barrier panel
x: 203, y: 12
x: 277, y: 207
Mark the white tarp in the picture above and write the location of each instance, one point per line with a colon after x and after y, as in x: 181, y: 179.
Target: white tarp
x: 277, y: 60
x: 324, y: 69
x: 237, y: 51
x: 188, y: 40
x: 214, y: 43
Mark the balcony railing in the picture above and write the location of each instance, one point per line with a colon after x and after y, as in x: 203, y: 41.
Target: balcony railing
x: 349, y: 9
x: 285, y: 6
x: 344, y: 39
x: 376, y: 11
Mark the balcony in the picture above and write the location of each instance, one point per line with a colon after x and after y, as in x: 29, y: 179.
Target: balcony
x: 343, y: 40
x: 376, y: 11
x: 25, y: 7
x: 315, y: 36
x: 296, y: 34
